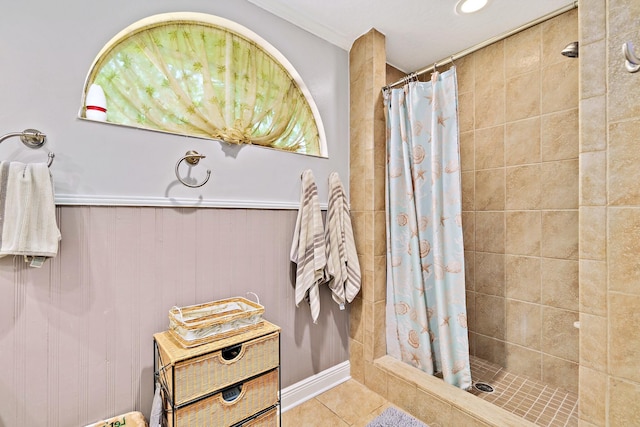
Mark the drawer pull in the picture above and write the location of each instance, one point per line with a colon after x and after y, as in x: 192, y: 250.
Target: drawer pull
x: 232, y: 352
x: 232, y: 393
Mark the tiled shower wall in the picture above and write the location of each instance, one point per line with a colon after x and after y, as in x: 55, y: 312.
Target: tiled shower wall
x: 518, y: 103
x: 609, y: 216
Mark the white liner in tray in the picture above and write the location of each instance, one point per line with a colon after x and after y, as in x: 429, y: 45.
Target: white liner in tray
x: 197, y: 324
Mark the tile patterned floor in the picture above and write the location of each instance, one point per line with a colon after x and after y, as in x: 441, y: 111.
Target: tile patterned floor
x: 527, y: 398
x: 351, y: 404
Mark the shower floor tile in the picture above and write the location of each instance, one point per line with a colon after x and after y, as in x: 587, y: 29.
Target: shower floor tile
x: 532, y: 400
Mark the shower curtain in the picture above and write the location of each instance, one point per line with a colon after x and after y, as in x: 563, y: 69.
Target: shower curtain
x: 426, y: 310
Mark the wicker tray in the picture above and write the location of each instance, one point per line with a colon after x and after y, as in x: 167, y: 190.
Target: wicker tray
x: 198, y: 324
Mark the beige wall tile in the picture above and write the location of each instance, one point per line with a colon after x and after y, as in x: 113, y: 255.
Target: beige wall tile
x: 489, y: 273
x: 560, y: 283
x: 624, y: 246
x: 560, y: 183
x: 489, y: 104
x: 491, y: 349
x: 356, y: 360
x: 624, y: 323
x: 524, y: 323
x: 559, y: 336
x: 623, y: 14
x: 490, y: 232
x: 490, y: 190
x: 461, y: 418
x: 592, y: 15
x: 523, y: 233
x: 468, y: 190
x: 466, y: 110
x: 522, y: 96
x: 489, y: 147
x: 593, y: 179
x: 621, y: 86
x: 380, y: 278
x: 623, y: 157
x: 593, y: 287
x: 467, y: 151
x: 470, y: 300
x: 522, y: 51
x: 593, y: 334
x: 465, y: 68
x: 374, y: 378
x: 432, y: 410
x: 556, y: 34
x: 490, y: 316
x: 592, y: 69
x: 559, y: 86
x: 523, y: 187
x: 522, y: 142
x: 593, y: 124
x: 624, y: 403
x: 593, y: 232
x: 402, y: 393
x: 469, y: 270
x: 593, y: 396
x: 559, y: 372
x: 559, y: 136
x: 489, y: 63
x: 469, y: 230
x: 380, y: 341
x: 560, y: 234
x: 356, y: 320
x: 524, y: 361
x: 523, y: 278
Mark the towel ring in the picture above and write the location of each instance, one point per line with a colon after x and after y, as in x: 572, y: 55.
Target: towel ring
x: 31, y: 138
x: 192, y: 157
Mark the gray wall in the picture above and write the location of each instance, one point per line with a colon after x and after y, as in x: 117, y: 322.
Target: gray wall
x: 76, y: 335
x: 46, y: 51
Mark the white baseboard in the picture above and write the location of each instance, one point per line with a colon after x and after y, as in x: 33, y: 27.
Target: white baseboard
x: 312, y: 386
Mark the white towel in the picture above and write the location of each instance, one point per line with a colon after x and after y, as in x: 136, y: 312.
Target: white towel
x: 308, y: 246
x: 343, y: 267
x: 27, y: 211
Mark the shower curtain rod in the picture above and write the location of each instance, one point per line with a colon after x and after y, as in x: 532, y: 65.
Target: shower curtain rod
x: 479, y: 46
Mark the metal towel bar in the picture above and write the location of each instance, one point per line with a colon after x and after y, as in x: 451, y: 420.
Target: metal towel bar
x: 31, y: 138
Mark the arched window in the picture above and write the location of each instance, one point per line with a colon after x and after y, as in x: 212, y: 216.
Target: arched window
x: 204, y: 76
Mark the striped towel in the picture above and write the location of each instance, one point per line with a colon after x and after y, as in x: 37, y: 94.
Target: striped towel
x: 343, y: 268
x: 308, y: 247
x: 27, y: 212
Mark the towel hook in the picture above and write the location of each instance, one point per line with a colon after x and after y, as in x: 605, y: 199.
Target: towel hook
x: 631, y: 63
x: 193, y: 158
x: 31, y: 138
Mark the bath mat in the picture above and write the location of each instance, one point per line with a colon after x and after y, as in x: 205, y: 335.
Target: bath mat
x: 391, y: 417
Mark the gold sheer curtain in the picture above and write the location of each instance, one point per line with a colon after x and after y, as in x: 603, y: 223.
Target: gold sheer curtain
x: 195, y: 78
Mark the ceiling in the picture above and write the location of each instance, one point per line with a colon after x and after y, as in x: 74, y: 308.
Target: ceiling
x: 418, y: 32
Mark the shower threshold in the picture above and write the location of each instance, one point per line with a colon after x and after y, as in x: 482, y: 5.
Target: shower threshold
x: 532, y: 400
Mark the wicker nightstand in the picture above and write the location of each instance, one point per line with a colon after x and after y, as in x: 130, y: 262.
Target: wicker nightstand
x: 233, y: 381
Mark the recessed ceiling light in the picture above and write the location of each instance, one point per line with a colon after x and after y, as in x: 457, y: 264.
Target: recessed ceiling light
x: 470, y: 6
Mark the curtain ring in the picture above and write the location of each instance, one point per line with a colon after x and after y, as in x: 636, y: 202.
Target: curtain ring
x: 192, y: 157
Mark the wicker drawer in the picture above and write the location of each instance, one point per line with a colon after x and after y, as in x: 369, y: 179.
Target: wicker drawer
x: 255, y: 395
x: 268, y: 419
x: 188, y: 374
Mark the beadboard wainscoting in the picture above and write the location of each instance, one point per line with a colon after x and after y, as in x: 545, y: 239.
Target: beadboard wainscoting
x: 76, y: 335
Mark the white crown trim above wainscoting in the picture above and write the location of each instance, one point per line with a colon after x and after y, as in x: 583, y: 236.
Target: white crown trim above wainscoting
x: 175, y: 202
x: 298, y: 393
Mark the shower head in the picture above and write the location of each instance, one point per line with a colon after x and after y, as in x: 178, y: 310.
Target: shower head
x: 571, y: 50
